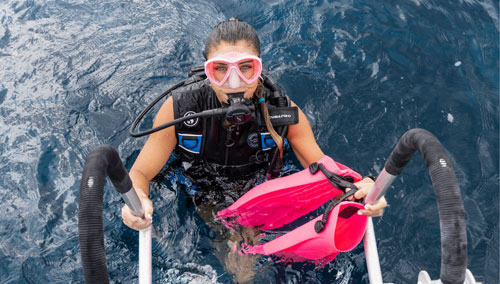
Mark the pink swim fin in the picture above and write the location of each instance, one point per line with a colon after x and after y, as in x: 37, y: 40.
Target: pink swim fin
x: 343, y: 232
x: 277, y: 202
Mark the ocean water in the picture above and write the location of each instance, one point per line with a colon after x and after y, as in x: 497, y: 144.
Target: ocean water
x: 74, y: 74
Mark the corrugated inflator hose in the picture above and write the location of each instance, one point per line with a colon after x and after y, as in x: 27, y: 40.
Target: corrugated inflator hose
x: 449, y: 200
x: 101, y: 162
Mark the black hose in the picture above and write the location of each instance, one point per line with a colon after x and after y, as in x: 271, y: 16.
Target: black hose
x: 148, y: 108
x: 449, y: 200
x: 102, y: 161
x: 205, y: 113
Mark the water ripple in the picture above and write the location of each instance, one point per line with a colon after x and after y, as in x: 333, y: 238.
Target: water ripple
x: 76, y: 73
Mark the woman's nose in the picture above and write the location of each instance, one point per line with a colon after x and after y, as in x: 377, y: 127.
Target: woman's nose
x: 234, y: 79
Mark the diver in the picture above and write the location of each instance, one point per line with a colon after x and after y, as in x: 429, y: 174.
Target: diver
x: 249, y: 138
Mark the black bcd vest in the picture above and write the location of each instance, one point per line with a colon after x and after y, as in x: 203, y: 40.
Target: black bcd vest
x: 236, y: 149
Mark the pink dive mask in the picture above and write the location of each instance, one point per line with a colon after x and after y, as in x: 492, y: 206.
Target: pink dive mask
x: 232, y: 68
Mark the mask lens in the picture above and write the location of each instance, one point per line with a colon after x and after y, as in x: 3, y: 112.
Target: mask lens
x: 220, y: 71
x: 249, y: 69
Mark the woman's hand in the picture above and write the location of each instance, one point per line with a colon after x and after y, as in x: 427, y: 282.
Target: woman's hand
x: 373, y: 210
x: 138, y: 223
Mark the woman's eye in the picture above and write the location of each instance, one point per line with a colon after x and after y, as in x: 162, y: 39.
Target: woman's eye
x: 220, y: 68
x: 246, y: 66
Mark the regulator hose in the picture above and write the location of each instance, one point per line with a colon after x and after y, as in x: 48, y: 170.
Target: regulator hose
x: 449, y: 200
x: 102, y: 161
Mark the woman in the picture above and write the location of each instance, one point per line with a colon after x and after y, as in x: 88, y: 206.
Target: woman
x: 234, y: 69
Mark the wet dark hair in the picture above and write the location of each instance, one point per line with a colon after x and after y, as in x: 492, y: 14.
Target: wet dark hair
x: 232, y: 31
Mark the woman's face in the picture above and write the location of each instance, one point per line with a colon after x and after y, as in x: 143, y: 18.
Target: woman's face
x: 224, y: 47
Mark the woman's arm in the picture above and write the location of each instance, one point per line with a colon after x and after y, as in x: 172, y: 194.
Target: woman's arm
x: 156, y: 151
x: 302, y: 140
x: 306, y: 149
x: 148, y: 164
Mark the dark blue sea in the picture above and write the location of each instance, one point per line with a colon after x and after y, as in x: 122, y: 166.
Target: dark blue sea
x: 74, y: 74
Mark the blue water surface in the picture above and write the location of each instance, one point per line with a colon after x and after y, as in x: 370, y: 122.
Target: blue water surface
x: 74, y: 74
